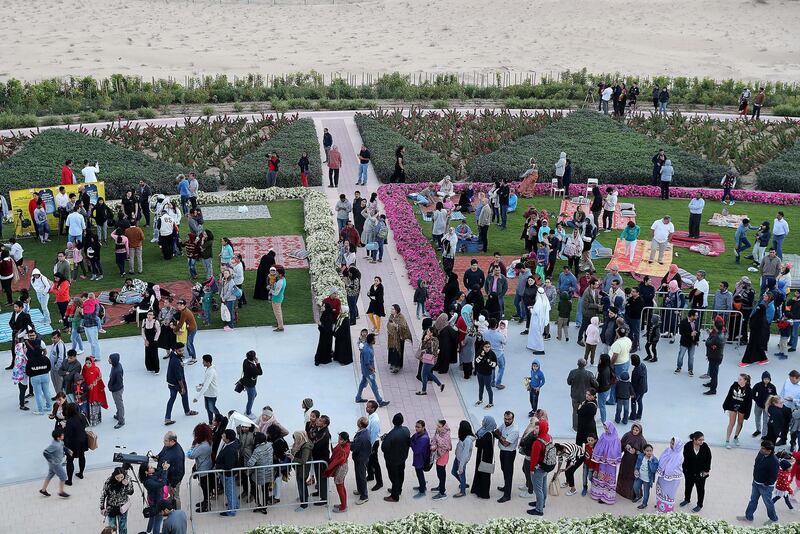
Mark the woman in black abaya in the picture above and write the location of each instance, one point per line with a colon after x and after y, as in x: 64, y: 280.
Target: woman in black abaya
x: 756, y: 350
x: 325, y: 344
x: 343, y: 351
x: 261, y: 289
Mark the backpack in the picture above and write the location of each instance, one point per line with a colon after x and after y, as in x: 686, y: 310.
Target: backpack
x: 550, y: 459
x: 526, y: 443
x: 236, y: 292
x: 383, y: 233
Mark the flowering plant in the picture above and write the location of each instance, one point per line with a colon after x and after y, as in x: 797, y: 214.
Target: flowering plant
x: 435, y: 523
x: 318, y: 224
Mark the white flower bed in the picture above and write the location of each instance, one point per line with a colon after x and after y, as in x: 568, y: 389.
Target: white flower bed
x: 318, y: 223
x: 431, y: 523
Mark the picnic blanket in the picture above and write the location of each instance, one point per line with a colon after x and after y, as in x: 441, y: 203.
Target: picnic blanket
x: 181, y: 289
x: 38, y: 322
x: 728, y: 221
x: 252, y: 248
x: 640, y: 263
x: 24, y: 282
x: 687, y: 279
x: 568, y: 208
x: 712, y: 239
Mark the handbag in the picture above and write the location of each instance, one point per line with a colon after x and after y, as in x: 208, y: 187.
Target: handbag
x: 428, y: 358
x: 372, y: 245
x: 429, y: 461
x: 485, y: 467
x: 311, y: 480
x: 238, y: 387
x: 552, y: 488
x: 225, y: 313
x: 91, y: 439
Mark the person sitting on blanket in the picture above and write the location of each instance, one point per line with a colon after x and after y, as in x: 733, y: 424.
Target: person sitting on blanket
x: 131, y: 293
x: 463, y: 232
x: 446, y: 187
x: 465, y: 201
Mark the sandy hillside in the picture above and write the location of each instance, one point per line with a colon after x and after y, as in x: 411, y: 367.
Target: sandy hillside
x: 718, y: 38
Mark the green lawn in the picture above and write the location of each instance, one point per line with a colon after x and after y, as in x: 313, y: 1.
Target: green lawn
x: 287, y: 219
x: 719, y: 268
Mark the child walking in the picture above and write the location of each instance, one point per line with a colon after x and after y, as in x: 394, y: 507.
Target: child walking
x: 653, y: 335
x: 564, y: 313
x: 535, y: 386
x: 629, y: 236
x: 592, y: 340
x: 420, y: 296
x: 645, y: 475
x: 783, y: 486
x: 785, y: 329
x: 590, y: 467
x: 54, y: 454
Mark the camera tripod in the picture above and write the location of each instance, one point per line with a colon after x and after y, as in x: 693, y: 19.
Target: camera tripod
x: 589, y: 101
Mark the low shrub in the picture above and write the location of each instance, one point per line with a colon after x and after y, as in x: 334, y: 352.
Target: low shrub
x: 289, y: 143
x: 50, y: 120
x: 13, y: 120
x: 420, y: 165
x: 782, y: 173
x: 208, y: 110
x: 38, y: 163
x: 88, y: 117
x: 147, y: 113
x: 786, y: 110
x: 599, y: 147
x: 537, y: 103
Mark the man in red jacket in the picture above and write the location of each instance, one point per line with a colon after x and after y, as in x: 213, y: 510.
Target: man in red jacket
x: 539, y: 475
x: 67, y: 176
x: 33, y: 203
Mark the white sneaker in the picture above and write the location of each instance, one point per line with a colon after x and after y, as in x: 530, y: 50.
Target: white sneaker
x: 526, y: 495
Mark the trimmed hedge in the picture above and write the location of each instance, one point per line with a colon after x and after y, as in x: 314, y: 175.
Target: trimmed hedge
x: 782, y: 173
x: 599, y: 147
x: 382, y: 141
x: 39, y: 161
x: 289, y: 143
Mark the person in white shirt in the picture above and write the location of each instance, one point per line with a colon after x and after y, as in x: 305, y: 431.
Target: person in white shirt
x: 696, y: 206
x: 90, y: 172
x: 662, y: 231
x: 605, y: 97
x: 58, y: 354
x: 508, y: 438
x: 208, y: 389
x: 790, y: 392
x: 701, y: 284
x: 42, y: 285
x: 780, y: 229
x: 76, y: 224
x: 194, y: 188
x: 62, y: 209
x: 609, y: 206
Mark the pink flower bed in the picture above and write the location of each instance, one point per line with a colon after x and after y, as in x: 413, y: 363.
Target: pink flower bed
x: 423, y: 262
x: 416, y: 249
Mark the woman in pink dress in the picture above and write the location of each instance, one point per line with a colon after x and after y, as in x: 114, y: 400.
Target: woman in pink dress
x: 527, y: 188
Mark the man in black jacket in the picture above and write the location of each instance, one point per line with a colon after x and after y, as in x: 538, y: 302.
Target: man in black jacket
x: 38, y: 371
x: 395, y: 447
x: 19, y: 321
x: 327, y: 143
x: 689, y: 330
x: 144, y: 193
x: 765, y: 473
x: 172, y: 460
x: 503, y: 196
x: 70, y: 370
x: 116, y: 387
x: 176, y: 381
x: 322, y: 451
x: 633, y: 312
x: 361, y: 448
x: 227, y: 459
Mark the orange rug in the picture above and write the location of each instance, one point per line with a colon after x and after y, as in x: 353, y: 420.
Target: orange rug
x: 622, y: 260
x: 253, y: 248
x: 24, y: 282
x: 115, y: 312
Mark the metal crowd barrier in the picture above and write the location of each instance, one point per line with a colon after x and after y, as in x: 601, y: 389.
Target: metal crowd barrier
x: 209, y: 487
x: 733, y: 319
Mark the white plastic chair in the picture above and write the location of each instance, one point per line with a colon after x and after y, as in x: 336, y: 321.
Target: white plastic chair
x: 555, y: 190
x: 590, y: 183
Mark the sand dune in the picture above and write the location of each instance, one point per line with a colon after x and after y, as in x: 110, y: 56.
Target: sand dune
x: 716, y: 38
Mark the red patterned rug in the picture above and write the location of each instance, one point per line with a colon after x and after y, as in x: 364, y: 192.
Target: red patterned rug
x: 252, y: 248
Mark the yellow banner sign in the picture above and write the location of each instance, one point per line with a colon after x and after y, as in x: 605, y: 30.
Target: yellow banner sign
x: 23, y: 203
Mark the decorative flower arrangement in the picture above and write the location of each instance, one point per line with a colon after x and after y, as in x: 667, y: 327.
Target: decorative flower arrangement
x: 417, y: 252
x: 318, y: 224
x: 434, y: 523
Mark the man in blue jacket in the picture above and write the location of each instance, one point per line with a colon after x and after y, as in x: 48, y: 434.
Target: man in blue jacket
x: 176, y: 381
x: 765, y: 473
x: 115, y: 386
x: 172, y: 460
x: 367, y: 372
